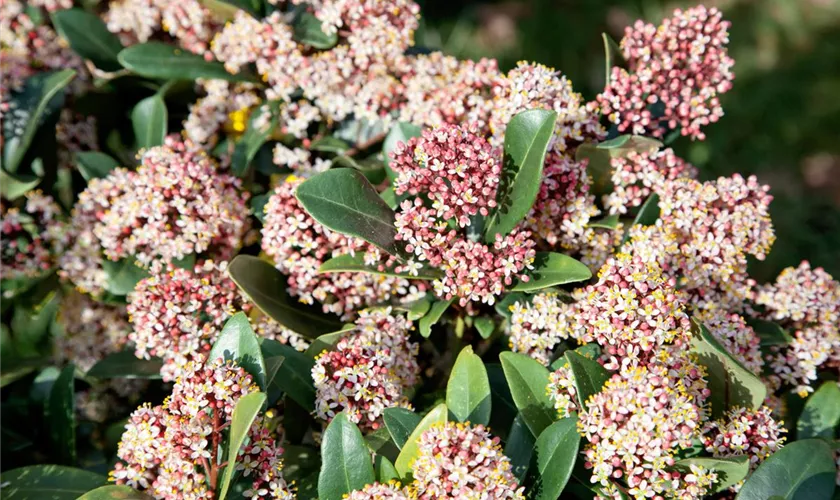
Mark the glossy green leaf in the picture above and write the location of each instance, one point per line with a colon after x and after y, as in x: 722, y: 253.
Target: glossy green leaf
x: 372, y: 168
x: 433, y: 316
x: 115, y: 492
x: 821, y: 414
x: 526, y: 142
x: 729, y: 470
x: 356, y: 264
x: 165, y: 61
x: 608, y: 222
x: 13, y: 186
x: 419, y: 308
x: 520, y: 447
x: 343, y: 200
x: 238, y: 342
x: 53, y: 482
x: 400, y: 132
x: 802, y: 470
x: 485, y: 326
x: 265, y: 286
x: 125, y: 364
x: 327, y: 341
x: 89, y: 37
x: 400, y: 423
x: 589, y: 376
x: 385, y: 470
x: 528, y: 380
x: 390, y: 198
x: 257, y: 205
x: 468, y: 389
x: 149, y: 118
x: 253, y: 7
x: 294, y: 375
x: 244, y: 414
x: 307, y: 31
x: 599, y: 156
x: 94, y: 164
x: 61, y: 416
x: 346, y: 462
x: 648, y: 212
x: 550, y: 269
x: 410, y: 449
x: 556, y: 449
x: 123, y: 275
x: 769, y: 332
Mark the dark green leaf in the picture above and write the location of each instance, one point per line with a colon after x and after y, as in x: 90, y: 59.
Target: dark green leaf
x: 114, y: 492
x: 433, y: 316
x: 89, y: 37
x: 400, y: 423
x: 125, y: 364
x: 149, y: 119
x: 161, y: 60
x: 343, y: 200
x: 821, y: 414
x: 769, y: 332
x: 327, y: 341
x: 258, y: 204
x: 61, y: 416
x: 385, y: 470
x: 244, y: 414
x: 468, y: 389
x: 253, y: 7
x: 307, y: 30
x: 551, y: 269
x: 329, y: 144
x: 251, y: 141
x: 410, y: 449
x: 356, y: 264
x: 589, y: 376
x: 729, y: 470
x: 802, y: 470
x: 266, y: 288
x: 557, y: 449
x: 123, y: 275
x: 294, y: 375
x: 238, y: 342
x: 53, y: 482
x: 520, y: 447
x: 401, y: 132
x: 346, y: 462
x: 600, y: 155
x: 526, y: 142
x: 13, y: 186
x: 372, y: 168
x: 528, y: 380
x: 648, y: 212
x: 95, y: 165
x: 485, y: 326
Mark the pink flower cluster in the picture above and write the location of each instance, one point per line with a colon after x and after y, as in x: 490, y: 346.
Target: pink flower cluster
x: 379, y: 491
x: 457, y: 461
x: 137, y: 21
x: 172, y: 450
x: 674, y: 77
x: 535, y: 328
x: 34, y: 235
x: 638, y: 175
x: 298, y: 244
x: 369, y: 370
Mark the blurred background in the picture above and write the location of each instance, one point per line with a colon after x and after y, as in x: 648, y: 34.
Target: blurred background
x: 782, y: 119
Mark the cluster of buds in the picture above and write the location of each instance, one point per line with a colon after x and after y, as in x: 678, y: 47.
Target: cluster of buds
x: 369, y: 370
x: 639, y: 174
x: 299, y: 245
x: 34, y: 235
x: 456, y: 460
x: 379, y: 491
x: 173, y: 450
x: 675, y: 73
x: 536, y: 327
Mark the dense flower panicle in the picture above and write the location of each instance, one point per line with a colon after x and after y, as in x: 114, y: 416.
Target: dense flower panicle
x: 177, y: 314
x: 802, y: 296
x: 674, y: 77
x: 733, y: 332
x: 638, y: 175
x: 796, y: 364
x: 379, y: 491
x: 537, y: 327
x: 178, y: 204
x: 90, y: 330
x: 457, y: 461
x: 33, y: 236
x: 224, y: 105
x: 298, y: 244
x: 137, y: 21
x: 744, y: 432
x: 369, y: 370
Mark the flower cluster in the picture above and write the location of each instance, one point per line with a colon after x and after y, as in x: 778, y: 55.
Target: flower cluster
x: 675, y: 73
x: 299, y: 245
x: 369, y: 370
x: 639, y: 174
x: 172, y: 450
x: 744, y: 432
x: 379, y: 491
x: 34, y: 235
x: 224, y: 106
x: 562, y: 391
x: 536, y: 327
x: 190, y: 22
x: 733, y: 332
x: 90, y: 330
x: 456, y: 460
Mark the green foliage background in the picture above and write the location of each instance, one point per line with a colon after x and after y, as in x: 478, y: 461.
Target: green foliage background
x: 782, y: 119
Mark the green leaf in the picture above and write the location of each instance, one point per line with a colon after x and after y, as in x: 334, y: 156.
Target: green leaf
x: 125, y: 364
x: 400, y: 132
x: 390, y: 198
x: 238, y: 342
x: 802, y: 470
x: 257, y: 206
x: 419, y: 308
x: 294, y: 375
x: 251, y: 141
x: 468, y: 389
x: 648, y: 212
x: 612, y: 56
x: 356, y: 264
x: 385, y: 470
x: 40, y: 93
x: 410, y: 449
x: 557, y: 449
x: 13, y: 186
x: 520, y: 447
x: 54, y: 482
x: 599, y: 156
x: 327, y: 341
x: 526, y: 142
x: 400, y: 423
x: 61, y: 416
x: 149, y: 119
x: 114, y: 492
x: 329, y: 144
x: 253, y: 7
x: 265, y: 286
x: 551, y: 269
x: 589, y: 376
x: 346, y: 462
x: 168, y: 62
x: 89, y: 37
x: 769, y: 332
x: 508, y: 300
x: 821, y: 413
x: 608, y: 222
x: 372, y: 168
x: 729, y: 470
x: 95, y: 165
x: 244, y: 414
x: 123, y: 275
x: 528, y: 380
x: 485, y: 326
x: 433, y: 316
x: 343, y: 200
x: 307, y: 30
x: 730, y: 383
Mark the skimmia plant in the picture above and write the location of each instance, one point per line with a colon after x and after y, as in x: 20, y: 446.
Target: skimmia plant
x: 273, y: 249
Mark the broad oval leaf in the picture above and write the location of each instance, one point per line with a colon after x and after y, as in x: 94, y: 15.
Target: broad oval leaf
x: 551, y: 268
x: 55, y: 482
x: 125, y: 364
x: 589, y: 376
x: 520, y: 447
x: 238, y: 342
x: 346, y: 462
x: 327, y: 341
x: 769, y: 332
x: 557, y: 449
x: 343, y: 200
x: 468, y: 389
x: 436, y: 310
x: 294, y: 375
x: 729, y: 470
x: 356, y: 264
x: 94, y: 164
x: 266, y: 287
x: 13, y: 186
x: 410, y: 449
x: 149, y: 119
x: 61, y: 415
x: 115, y: 492
x: 485, y: 326
x: 307, y: 30
x: 161, y: 60
x: 244, y: 414
x: 123, y: 275
x: 89, y: 37
x: 802, y: 470
x: 385, y: 470
x: 821, y: 414
x: 528, y: 380
x: 400, y: 423
x: 526, y: 141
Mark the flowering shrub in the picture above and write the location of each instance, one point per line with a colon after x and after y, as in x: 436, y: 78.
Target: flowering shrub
x: 320, y: 262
